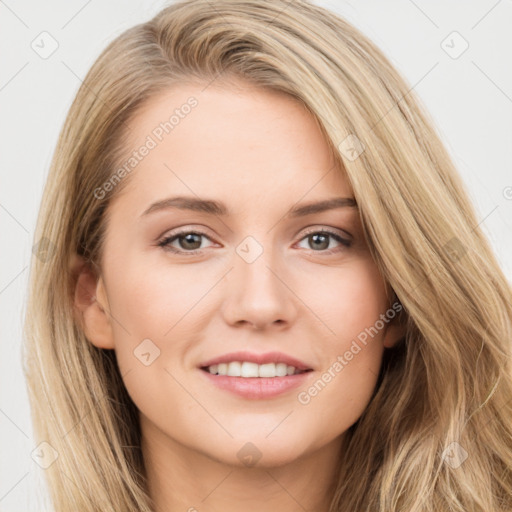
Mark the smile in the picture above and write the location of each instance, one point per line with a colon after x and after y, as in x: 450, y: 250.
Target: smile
x: 248, y: 369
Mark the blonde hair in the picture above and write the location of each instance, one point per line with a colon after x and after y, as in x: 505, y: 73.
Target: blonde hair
x: 448, y: 381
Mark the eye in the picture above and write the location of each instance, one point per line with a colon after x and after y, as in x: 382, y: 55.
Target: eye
x: 187, y: 241
x: 320, y: 240
x: 190, y: 242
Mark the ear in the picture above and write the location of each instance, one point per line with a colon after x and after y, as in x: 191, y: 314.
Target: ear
x: 91, y: 305
x: 396, y: 327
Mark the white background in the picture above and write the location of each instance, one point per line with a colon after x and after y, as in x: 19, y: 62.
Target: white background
x: 470, y: 99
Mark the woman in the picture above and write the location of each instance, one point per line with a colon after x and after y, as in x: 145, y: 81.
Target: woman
x: 265, y: 286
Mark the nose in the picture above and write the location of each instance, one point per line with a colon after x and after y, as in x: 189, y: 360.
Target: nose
x: 258, y: 294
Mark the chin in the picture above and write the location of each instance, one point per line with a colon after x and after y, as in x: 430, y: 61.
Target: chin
x: 259, y: 451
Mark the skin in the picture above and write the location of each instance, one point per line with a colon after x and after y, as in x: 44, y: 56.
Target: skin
x: 260, y: 153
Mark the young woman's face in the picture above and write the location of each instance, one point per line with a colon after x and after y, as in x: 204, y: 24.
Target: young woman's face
x: 239, y: 269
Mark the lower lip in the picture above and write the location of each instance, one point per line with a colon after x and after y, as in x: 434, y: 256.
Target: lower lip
x: 257, y: 388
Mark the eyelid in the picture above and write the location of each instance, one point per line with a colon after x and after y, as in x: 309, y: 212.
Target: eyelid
x: 185, y: 229
x: 316, y: 228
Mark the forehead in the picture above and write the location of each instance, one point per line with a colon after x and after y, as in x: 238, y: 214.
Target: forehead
x: 231, y: 139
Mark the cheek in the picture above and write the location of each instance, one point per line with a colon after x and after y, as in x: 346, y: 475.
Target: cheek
x: 151, y: 297
x: 348, y: 300
x: 154, y: 317
x: 351, y: 306
x: 167, y: 304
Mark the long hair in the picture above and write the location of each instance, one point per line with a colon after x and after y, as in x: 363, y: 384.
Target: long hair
x: 437, y: 433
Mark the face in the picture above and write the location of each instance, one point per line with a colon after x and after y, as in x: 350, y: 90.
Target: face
x: 239, y: 270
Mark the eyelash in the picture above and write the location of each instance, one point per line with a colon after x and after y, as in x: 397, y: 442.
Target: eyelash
x: 164, y: 243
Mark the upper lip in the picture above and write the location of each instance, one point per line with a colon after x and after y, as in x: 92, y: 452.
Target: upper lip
x: 267, y: 357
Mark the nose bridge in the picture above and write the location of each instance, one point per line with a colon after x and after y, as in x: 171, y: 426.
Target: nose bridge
x: 253, y: 264
x: 256, y: 292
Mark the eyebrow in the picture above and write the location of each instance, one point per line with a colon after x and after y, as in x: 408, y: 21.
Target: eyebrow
x: 213, y: 207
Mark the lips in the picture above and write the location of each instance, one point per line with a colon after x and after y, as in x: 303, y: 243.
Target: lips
x: 251, y: 357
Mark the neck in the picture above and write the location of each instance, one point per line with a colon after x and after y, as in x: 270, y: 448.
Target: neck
x: 185, y: 480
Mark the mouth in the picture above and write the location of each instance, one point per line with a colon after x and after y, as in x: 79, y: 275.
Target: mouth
x: 250, y: 370
x: 256, y: 376
x: 253, y: 365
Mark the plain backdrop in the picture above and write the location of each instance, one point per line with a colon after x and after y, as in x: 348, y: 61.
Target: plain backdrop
x: 455, y: 54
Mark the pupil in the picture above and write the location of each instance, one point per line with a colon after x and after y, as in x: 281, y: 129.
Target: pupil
x: 191, y: 238
x: 323, y: 244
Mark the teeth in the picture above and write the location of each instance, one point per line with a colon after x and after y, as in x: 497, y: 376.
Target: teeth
x: 247, y: 369
x: 234, y: 369
x: 267, y: 370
